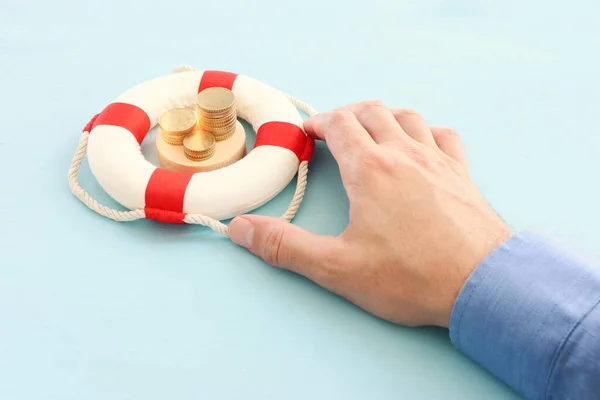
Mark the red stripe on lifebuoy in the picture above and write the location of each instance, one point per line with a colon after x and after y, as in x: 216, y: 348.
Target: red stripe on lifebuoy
x: 169, y: 217
x: 127, y: 116
x: 164, y: 195
x: 89, y: 125
x: 282, y: 134
x: 309, y: 148
x: 217, y: 79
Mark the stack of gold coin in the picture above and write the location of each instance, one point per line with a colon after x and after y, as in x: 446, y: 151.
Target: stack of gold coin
x: 176, y: 124
x: 199, y: 146
x: 216, y: 112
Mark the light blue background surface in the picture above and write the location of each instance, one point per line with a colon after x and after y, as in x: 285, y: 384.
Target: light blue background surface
x: 94, y: 309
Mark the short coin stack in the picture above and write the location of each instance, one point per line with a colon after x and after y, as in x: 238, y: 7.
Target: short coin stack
x: 176, y: 124
x: 199, y: 146
x: 216, y: 112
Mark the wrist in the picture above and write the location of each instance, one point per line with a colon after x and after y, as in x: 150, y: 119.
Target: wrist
x: 468, y: 260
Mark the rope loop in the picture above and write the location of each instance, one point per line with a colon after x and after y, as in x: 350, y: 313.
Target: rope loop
x: 197, y: 219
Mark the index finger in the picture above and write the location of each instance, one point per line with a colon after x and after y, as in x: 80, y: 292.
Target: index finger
x: 342, y: 132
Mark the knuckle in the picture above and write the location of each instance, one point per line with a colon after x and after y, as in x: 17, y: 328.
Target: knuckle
x: 334, y: 257
x: 272, y: 246
x: 333, y: 267
x: 406, y: 113
x: 457, y: 168
x: 371, y: 158
x: 369, y: 106
x: 372, y: 103
x: 446, y: 133
x: 419, y: 156
x: 329, y: 278
x: 374, y: 160
x: 340, y: 116
x: 330, y: 258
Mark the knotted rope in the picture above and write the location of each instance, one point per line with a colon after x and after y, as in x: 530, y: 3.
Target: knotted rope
x: 198, y: 219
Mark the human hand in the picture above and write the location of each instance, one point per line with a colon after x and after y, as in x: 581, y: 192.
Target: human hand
x: 418, y: 225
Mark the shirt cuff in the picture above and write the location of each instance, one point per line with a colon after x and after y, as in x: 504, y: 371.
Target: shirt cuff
x: 519, y: 306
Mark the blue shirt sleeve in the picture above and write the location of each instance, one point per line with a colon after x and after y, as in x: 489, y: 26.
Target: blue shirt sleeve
x: 530, y: 314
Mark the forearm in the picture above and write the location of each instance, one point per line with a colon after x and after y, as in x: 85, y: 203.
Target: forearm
x: 530, y: 314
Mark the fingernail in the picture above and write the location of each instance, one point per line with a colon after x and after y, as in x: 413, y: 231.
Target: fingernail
x: 241, y: 232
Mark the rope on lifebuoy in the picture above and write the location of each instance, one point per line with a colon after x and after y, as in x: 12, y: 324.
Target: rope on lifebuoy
x: 198, y: 219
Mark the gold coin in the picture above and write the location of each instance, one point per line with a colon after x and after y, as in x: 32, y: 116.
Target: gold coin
x: 178, y: 120
x: 221, y: 129
x: 172, y: 139
x: 218, y: 122
x: 222, y: 135
x: 219, y: 134
x: 215, y: 114
x: 212, y: 108
x: 215, y: 99
x: 215, y: 119
x: 199, y: 142
x: 199, y: 155
x: 224, y: 124
x: 198, y: 159
x: 219, y: 138
x: 195, y: 157
x: 168, y: 140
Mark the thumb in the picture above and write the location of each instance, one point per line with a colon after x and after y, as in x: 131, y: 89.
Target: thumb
x: 281, y: 244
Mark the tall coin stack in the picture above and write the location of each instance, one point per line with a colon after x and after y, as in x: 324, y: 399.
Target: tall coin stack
x: 176, y: 124
x: 216, y: 112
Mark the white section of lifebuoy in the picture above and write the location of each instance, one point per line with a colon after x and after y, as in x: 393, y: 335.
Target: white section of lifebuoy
x: 249, y: 183
x: 258, y: 103
x: 116, y: 160
x: 161, y: 94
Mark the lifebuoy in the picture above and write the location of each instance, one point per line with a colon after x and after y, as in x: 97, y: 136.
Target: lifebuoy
x: 116, y: 161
